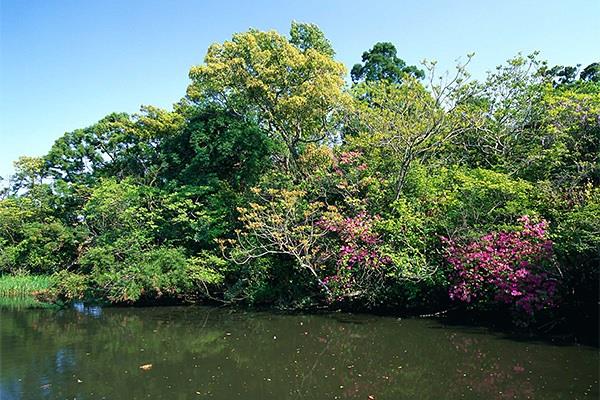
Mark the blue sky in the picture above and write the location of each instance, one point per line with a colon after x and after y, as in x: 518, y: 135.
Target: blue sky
x: 65, y: 64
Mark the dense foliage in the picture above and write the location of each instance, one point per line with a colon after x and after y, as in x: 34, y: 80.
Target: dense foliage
x: 274, y: 182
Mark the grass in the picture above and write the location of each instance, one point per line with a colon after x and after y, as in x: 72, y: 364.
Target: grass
x: 23, y: 285
x: 20, y: 290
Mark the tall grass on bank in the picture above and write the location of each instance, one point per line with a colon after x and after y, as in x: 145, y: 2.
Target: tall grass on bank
x: 23, y: 285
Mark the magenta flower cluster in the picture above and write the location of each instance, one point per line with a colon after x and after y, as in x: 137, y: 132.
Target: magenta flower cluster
x: 506, y: 267
x: 359, y: 260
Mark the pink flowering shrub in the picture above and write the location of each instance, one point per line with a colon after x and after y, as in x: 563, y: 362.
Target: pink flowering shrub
x: 360, y: 266
x: 507, y: 267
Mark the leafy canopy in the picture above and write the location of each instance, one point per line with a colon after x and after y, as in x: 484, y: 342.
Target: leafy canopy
x: 382, y: 63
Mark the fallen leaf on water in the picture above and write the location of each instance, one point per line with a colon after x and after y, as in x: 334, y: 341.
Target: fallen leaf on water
x: 146, y: 367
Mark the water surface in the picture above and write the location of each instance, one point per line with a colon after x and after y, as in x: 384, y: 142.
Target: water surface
x: 209, y: 353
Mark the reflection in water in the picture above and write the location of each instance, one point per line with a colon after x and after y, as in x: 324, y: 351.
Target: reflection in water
x: 65, y: 361
x: 94, y: 311
x: 90, y: 353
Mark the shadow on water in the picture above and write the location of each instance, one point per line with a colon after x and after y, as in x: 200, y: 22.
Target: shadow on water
x: 199, y: 352
x: 559, y: 332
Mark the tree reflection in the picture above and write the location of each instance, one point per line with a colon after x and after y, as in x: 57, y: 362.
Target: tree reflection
x: 221, y: 354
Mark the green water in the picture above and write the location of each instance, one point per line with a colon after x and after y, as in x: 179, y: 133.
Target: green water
x: 201, y: 353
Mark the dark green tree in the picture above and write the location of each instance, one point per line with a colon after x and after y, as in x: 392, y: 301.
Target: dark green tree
x: 382, y: 63
x: 591, y: 73
x: 561, y: 74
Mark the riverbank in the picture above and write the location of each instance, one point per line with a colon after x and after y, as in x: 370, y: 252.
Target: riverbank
x: 28, y: 291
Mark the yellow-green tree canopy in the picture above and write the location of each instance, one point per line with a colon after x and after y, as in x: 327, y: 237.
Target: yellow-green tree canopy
x: 294, y: 92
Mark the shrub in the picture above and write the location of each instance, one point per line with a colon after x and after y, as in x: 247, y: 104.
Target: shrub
x: 513, y: 268
x: 577, y: 237
x: 361, y: 266
x: 69, y: 285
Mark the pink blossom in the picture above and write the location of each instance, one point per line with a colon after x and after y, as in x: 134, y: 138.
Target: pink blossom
x: 513, y: 266
x: 360, y: 260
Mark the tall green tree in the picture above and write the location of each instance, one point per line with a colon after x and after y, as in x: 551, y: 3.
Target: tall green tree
x: 309, y: 36
x: 29, y: 172
x: 382, y: 63
x: 591, y: 73
x: 401, y: 124
x: 292, y: 92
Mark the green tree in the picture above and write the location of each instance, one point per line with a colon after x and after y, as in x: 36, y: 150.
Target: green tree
x: 29, y: 172
x: 119, y: 145
x: 309, y: 36
x: 567, y: 148
x: 292, y: 93
x: 510, y: 102
x: 382, y: 63
x: 532, y: 128
x: 591, y: 73
x: 127, y: 255
x: 215, y: 145
x: 400, y: 124
x: 562, y: 75
x: 33, y: 237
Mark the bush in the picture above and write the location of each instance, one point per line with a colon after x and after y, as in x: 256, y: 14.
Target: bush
x: 514, y: 268
x: 577, y: 238
x: 361, y: 267
x: 69, y: 286
x: 156, y: 273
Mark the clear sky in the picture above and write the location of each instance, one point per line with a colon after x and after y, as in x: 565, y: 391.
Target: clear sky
x: 64, y: 64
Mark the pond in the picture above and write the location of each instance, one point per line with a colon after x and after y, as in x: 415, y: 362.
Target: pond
x: 201, y: 353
